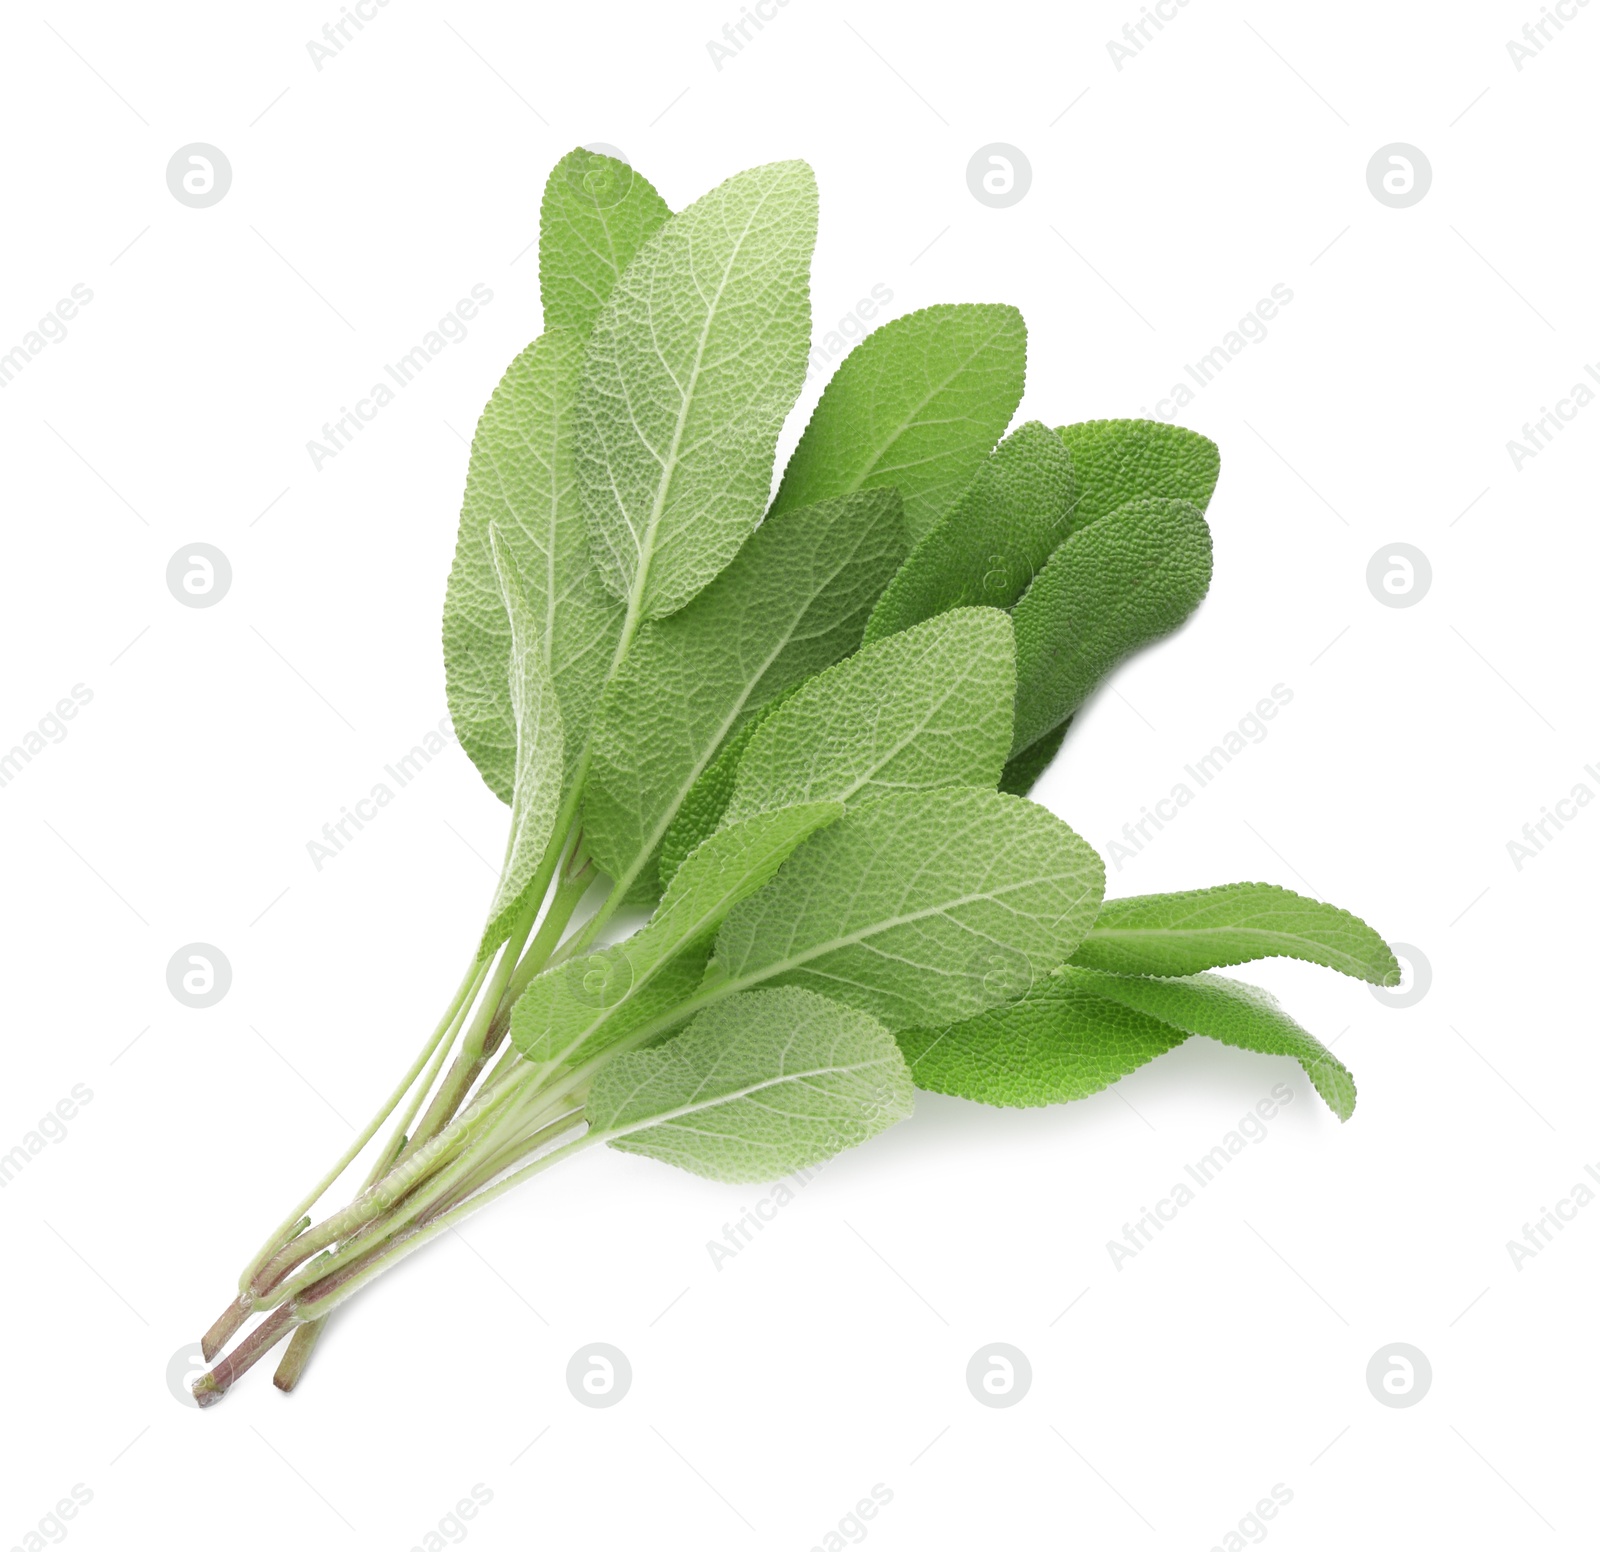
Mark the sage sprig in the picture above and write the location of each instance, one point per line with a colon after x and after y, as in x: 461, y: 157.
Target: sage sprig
x: 798, y: 733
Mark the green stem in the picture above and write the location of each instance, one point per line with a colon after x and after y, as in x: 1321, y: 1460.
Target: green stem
x: 304, y: 1340
x: 469, y: 985
x: 298, y: 1354
x: 568, y: 893
x: 528, y: 1143
x: 434, y: 1227
x: 469, y: 1060
x: 376, y: 1203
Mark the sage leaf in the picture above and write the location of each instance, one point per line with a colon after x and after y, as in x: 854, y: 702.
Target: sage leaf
x: 1236, y: 1014
x: 754, y: 1089
x: 1023, y: 770
x: 794, y: 601
x: 929, y: 707
x: 1082, y: 1031
x: 917, y: 404
x: 595, y: 215
x: 696, y: 357
x: 519, y: 479
x: 1201, y: 929
x: 536, y: 792
x: 1118, y: 461
x: 921, y: 908
x: 577, y: 1008
x: 989, y: 546
x: 701, y: 811
x: 730, y: 866
x: 1108, y: 590
x: 1060, y: 1042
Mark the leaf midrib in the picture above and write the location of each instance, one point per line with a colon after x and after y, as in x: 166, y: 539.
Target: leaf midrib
x: 1147, y: 934
x: 646, y: 551
x: 648, y: 847
x: 911, y: 419
x: 693, y: 1107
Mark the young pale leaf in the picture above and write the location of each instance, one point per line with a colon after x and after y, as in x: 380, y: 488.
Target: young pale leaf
x: 921, y: 909
x: 581, y: 1007
x: 1024, y: 769
x: 695, y: 359
x: 595, y: 215
x: 730, y: 866
x: 1237, y: 1015
x: 917, y: 405
x: 795, y: 600
x: 536, y: 794
x: 575, y: 1009
x: 987, y: 548
x: 1081, y: 1031
x: 520, y: 479
x: 754, y: 1089
x: 1200, y: 929
x: 930, y: 707
x: 1118, y: 461
x: 1110, y: 589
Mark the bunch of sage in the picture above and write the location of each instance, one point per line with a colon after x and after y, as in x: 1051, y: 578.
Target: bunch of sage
x: 798, y: 731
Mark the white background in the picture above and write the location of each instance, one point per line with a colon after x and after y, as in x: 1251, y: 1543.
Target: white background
x: 1168, y: 197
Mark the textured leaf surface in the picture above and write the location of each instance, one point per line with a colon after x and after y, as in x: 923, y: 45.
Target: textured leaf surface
x: 1237, y: 1015
x: 520, y: 479
x: 930, y: 707
x: 1200, y: 929
x: 1118, y: 461
x: 1110, y: 589
x: 1082, y: 1031
x: 988, y: 547
x: 573, y: 1010
x: 1023, y: 770
x: 695, y: 360
x: 917, y: 405
x: 1060, y: 1042
x: 795, y: 600
x: 707, y: 800
x: 579, y: 1009
x: 922, y: 908
x: 730, y: 866
x: 536, y: 795
x: 595, y: 215
x: 755, y: 1088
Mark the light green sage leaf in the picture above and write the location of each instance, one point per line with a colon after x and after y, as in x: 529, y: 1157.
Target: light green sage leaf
x: 595, y: 215
x: 989, y: 546
x: 795, y: 600
x: 575, y: 1009
x: 520, y: 479
x: 927, y: 708
x: 1200, y: 929
x: 695, y: 359
x: 754, y: 1089
x: 1081, y: 1031
x: 1118, y: 461
x: 917, y: 404
x: 1023, y: 770
x: 1110, y: 589
x: 536, y: 792
x: 730, y: 866
x: 922, y: 908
